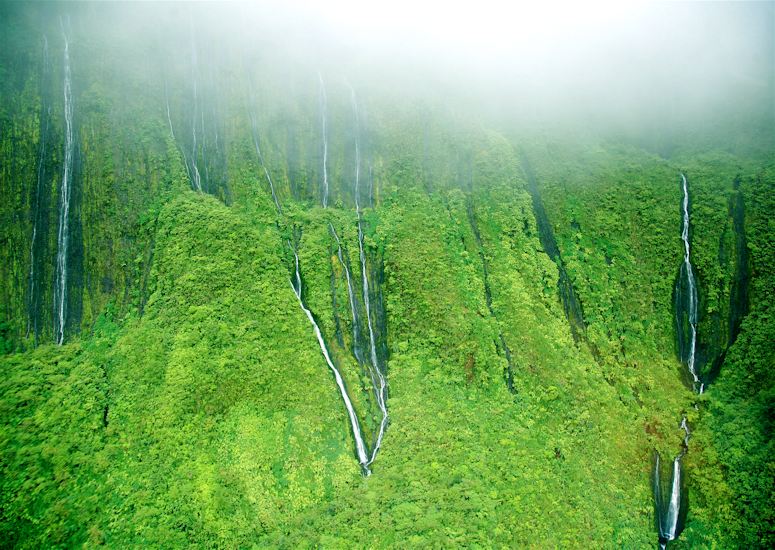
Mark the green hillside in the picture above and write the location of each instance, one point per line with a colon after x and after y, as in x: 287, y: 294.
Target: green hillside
x: 529, y: 384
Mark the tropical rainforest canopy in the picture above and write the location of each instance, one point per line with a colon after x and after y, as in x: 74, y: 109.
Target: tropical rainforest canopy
x: 411, y: 277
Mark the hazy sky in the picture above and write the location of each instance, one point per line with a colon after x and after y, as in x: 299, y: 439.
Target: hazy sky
x: 620, y: 61
x: 582, y: 50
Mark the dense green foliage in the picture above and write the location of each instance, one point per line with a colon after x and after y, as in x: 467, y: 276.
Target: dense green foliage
x: 191, y: 405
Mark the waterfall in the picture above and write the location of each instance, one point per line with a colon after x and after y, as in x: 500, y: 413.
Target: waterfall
x: 169, y: 116
x: 323, y: 108
x: 371, y: 185
x: 254, y: 132
x: 64, y: 200
x: 669, y: 514
x: 688, y: 273
x: 351, y: 294
x: 381, y: 391
x: 674, y: 506
x: 45, y: 119
x: 196, y: 179
x: 360, y: 446
x: 675, y: 501
x: 380, y: 388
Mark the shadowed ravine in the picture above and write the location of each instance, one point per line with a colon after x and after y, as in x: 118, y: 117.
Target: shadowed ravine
x: 41, y: 204
x: 571, y: 303
x: 501, y: 344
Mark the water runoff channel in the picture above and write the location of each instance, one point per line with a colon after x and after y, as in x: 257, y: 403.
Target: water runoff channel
x: 376, y: 370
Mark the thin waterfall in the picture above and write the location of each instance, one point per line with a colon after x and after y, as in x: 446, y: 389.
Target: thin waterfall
x: 371, y: 185
x: 172, y: 134
x: 45, y: 119
x: 688, y: 273
x: 380, y: 388
x: 381, y: 391
x: 296, y: 285
x: 351, y: 294
x: 324, y: 128
x: 63, y: 235
x: 360, y: 446
x: 254, y: 132
x: 675, y: 501
x: 169, y: 116
x: 669, y: 513
x: 196, y: 180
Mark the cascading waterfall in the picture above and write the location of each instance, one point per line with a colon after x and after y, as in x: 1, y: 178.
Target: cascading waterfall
x: 351, y: 295
x: 254, y: 132
x: 64, y: 200
x: 675, y: 501
x: 380, y: 388
x: 172, y: 134
x: 360, y: 446
x: 687, y: 273
x: 169, y: 116
x: 196, y: 179
x: 669, y: 513
x: 324, y: 130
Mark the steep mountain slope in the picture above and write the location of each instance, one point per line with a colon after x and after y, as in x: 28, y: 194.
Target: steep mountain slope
x: 520, y: 306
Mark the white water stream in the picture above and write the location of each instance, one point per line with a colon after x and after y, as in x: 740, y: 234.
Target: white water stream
x: 692, y: 286
x: 380, y: 387
x: 324, y: 122
x: 360, y: 446
x: 196, y: 180
x: 668, y: 525
x: 63, y: 235
x: 351, y: 294
x: 254, y: 129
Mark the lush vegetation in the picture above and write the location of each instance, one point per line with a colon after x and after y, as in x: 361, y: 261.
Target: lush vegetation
x: 191, y: 405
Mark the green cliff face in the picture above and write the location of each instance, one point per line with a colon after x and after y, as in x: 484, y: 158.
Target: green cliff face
x: 520, y: 286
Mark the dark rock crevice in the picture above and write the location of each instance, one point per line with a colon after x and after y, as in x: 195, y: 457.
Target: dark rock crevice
x: 571, y: 303
x: 725, y: 333
x: 500, y: 345
x: 40, y: 205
